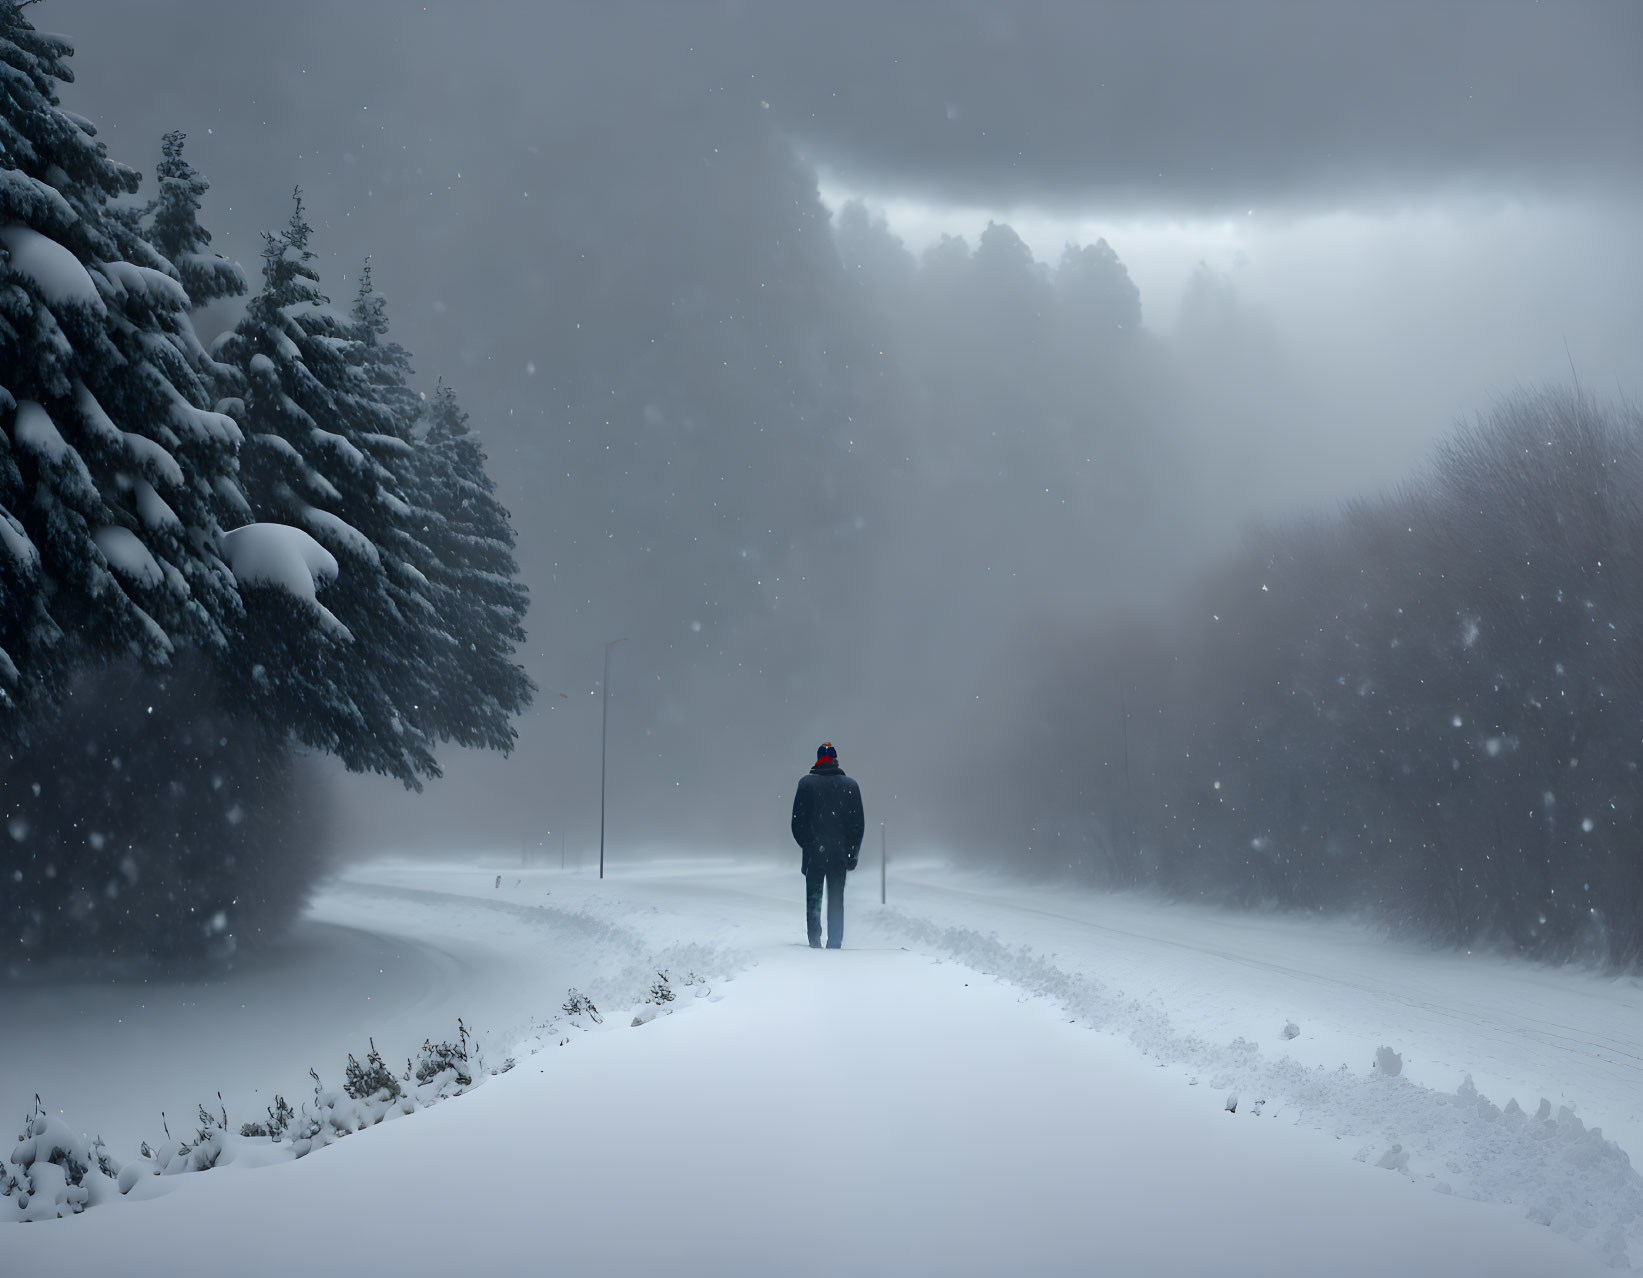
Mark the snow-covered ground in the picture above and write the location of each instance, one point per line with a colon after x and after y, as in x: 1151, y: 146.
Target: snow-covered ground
x: 991, y: 1078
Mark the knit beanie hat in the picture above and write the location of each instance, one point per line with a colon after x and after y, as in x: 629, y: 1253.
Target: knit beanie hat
x: 825, y: 753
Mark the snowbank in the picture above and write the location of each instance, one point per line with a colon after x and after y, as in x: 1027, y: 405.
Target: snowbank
x: 1551, y: 1166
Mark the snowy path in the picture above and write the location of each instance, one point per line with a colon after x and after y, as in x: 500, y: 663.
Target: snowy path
x: 948, y: 1121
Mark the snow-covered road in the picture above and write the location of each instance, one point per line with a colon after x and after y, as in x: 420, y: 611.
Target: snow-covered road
x: 934, y: 1089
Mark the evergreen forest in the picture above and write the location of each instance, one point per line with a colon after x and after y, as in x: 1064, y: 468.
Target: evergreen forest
x: 216, y: 563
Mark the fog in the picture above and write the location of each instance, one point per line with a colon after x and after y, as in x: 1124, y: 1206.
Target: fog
x: 696, y: 271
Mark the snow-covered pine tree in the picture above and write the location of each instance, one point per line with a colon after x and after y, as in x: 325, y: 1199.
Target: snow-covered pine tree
x: 476, y: 583
x: 122, y: 784
x: 296, y: 388
x: 387, y: 411
x: 173, y: 226
x: 114, y: 476
x: 386, y: 364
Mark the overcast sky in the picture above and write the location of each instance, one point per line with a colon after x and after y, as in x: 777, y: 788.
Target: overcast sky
x: 575, y: 209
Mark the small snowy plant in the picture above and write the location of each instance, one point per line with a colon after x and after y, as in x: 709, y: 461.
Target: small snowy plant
x: 445, y: 1069
x: 371, y: 1079
x: 280, y: 1115
x: 307, y: 1129
x: 208, y: 1138
x: 175, y: 1157
x: 53, y: 1172
x: 46, y: 1174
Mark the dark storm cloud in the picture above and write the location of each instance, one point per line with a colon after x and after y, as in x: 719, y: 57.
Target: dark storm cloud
x: 1193, y: 105
x: 1197, y: 105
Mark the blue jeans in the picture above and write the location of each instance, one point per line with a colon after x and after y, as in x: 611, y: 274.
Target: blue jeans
x: 834, y: 879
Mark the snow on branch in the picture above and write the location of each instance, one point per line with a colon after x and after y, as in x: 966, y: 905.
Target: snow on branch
x: 286, y: 558
x: 279, y: 555
x: 33, y: 431
x: 31, y: 198
x: 51, y: 268
x: 345, y: 534
x: 15, y: 542
x: 126, y: 552
x: 156, y: 461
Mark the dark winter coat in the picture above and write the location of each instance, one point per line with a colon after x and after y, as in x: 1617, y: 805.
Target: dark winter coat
x: 827, y: 819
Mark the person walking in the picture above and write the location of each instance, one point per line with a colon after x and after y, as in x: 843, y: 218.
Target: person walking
x: 827, y: 825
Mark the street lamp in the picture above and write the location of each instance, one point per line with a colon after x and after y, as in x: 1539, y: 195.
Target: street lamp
x: 604, y: 732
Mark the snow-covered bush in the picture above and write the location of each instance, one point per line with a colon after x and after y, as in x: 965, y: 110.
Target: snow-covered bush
x: 52, y: 1171
x: 332, y: 1115
x: 178, y: 1157
x: 371, y: 1093
x: 444, y: 1068
x: 370, y: 1079
x: 280, y: 1115
x: 45, y: 1174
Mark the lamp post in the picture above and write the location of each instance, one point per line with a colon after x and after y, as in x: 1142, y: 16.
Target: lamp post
x: 604, y: 732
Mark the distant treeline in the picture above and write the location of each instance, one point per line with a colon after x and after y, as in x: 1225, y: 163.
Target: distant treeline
x: 1426, y: 706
